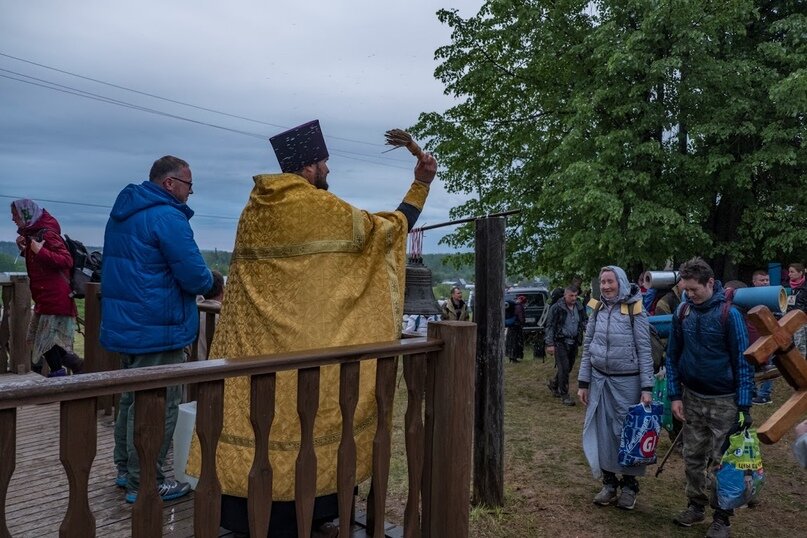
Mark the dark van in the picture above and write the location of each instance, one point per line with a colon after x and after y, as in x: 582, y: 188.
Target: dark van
x: 535, y: 310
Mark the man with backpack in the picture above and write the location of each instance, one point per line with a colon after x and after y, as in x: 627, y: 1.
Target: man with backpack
x: 710, y: 385
x: 564, y: 329
x: 670, y: 301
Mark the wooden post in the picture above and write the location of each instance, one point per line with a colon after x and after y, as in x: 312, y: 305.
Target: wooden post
x: 20, y: 317
x: 96, y: 358
x: 449, y: 431
x: 5, y: 328
x: 489, y: 402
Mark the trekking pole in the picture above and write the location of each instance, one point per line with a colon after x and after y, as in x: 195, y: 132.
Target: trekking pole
x: 669, y: 451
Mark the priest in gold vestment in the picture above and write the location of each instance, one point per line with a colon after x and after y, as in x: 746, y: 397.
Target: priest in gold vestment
x: 308, y: 271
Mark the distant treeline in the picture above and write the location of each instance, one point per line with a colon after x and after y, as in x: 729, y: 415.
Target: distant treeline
x: 10, y: 261
x: 440, y: 264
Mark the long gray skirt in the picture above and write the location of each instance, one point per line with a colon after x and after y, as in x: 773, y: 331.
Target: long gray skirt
x: 608, y: 401
x: 46, y: 331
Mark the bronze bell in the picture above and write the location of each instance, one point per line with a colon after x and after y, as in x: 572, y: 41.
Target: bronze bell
x: 418, y: 294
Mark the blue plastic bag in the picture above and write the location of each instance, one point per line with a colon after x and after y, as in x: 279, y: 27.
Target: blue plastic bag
x: 640, y: 435
x: 740, y: 476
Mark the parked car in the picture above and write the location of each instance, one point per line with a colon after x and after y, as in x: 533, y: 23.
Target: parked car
x: 535, y: 312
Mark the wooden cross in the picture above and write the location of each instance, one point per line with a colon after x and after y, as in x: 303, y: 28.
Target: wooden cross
x: 777, y: 338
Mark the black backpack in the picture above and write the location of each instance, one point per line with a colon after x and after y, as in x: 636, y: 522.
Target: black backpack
x: 86, y: 267
x: 657, y: 349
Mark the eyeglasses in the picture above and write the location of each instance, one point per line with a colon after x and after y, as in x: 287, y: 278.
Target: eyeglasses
x: 188, y: 183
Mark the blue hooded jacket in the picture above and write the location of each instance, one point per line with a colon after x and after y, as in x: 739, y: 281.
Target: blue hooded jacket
x: 707, y: 357
x: 152, y: 273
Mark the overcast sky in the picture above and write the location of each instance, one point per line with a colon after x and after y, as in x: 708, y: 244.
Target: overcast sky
x: 359, y: 66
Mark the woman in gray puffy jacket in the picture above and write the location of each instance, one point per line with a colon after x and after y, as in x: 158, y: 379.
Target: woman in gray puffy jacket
x: 616, y: 372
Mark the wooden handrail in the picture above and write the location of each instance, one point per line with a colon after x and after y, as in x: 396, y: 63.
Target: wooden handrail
x: 35, y: 391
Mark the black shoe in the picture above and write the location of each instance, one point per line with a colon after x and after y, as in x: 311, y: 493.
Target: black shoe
x: 567, y: 401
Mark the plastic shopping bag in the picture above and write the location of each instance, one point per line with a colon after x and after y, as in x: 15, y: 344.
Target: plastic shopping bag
x: 660, y: 396
x: 640, y: 435
x: 740, y: 476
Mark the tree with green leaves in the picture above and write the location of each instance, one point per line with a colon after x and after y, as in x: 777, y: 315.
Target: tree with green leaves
x: 634, y: 132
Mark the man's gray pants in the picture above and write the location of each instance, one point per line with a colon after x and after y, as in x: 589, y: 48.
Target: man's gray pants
x: 125, y: 454
x: 565, y: 355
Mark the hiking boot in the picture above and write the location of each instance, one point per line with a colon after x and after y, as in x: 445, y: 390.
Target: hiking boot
x: 168, y: 490
x: 761, y: 400
x: 720, y: 528
x: 61, y: 372
x: 122, y: 479
x: 627, y: 499
x: 606, y: 496
x: 567, y: 401
x: 553, y: 388
x: 693, y: 514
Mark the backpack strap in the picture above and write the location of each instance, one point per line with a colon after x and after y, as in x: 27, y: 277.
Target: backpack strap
x: 632, y: 311
x: 595, y: 306
x: 725, y: 308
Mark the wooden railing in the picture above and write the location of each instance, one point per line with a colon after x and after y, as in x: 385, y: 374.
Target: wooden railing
x: 438, y: 449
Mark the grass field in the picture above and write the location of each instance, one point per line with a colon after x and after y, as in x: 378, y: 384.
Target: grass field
x: 549, y: 487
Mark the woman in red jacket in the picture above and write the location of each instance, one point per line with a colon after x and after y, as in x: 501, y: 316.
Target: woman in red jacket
x: 48, y: 263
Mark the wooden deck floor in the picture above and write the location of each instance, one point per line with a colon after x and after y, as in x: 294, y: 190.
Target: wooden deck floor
x: 38, y: 494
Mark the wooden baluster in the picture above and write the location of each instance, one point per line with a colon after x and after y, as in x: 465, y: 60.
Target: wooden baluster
x: 209, y: 422
x: 414, y: 369
x: 346, y: 461
x: 449, y: 430
x: 77, y: 447
x: 8, y: 460
x: 384, y: 392
x: 259, y: 492
x: 305, y: 481
x: 149, y: 429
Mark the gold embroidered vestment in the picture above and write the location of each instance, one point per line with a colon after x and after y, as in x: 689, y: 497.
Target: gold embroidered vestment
x: 308, y: 271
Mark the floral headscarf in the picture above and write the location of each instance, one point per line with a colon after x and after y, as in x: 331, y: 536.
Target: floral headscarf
x: 28, y: 210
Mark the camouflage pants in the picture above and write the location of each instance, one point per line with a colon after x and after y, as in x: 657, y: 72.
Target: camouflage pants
x: 800, y: 340
x: 708, y: 423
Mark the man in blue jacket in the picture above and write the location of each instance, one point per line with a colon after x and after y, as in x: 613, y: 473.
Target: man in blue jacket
x: 153, y: 272
x: 710, y: 385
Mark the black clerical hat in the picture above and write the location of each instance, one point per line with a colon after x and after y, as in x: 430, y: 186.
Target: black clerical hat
x: 299, y: 146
